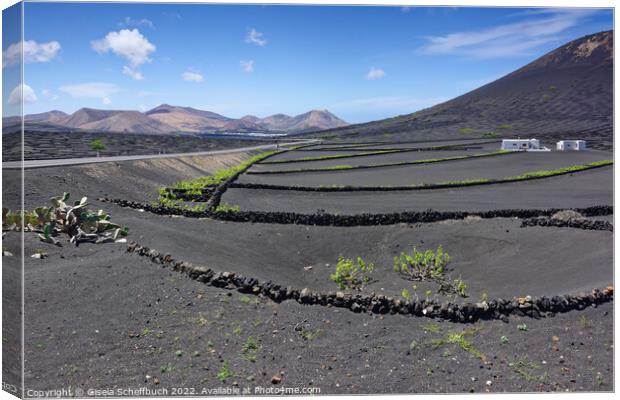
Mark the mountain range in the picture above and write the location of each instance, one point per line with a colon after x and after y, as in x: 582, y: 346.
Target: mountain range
x: 166, y: 119
x: 566, y: 93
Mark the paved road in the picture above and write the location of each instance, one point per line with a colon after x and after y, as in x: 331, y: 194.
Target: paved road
x: 89, y: 160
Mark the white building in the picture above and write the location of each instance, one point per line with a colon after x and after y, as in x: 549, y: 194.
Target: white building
x: 563, y: 145
x: 521, y: 144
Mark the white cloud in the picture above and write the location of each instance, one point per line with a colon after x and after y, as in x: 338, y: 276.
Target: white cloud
x: 129, y: 44
x: 255, y: 37
x: 137, y: 75
x: 96, y: 90
x: 375, y: 73
x: 248, y: 66
x: 33, y: 52
x: 16, y: 95
x: 192, y: 76
x: 506, y: 40
x: 48, y: 94
x: 128, y: 21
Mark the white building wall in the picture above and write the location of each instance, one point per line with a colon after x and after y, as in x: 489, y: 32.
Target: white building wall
x: 520, y: 144
x: 567, y: 145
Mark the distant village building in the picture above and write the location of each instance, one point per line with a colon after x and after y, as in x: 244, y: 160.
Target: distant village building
x: 521, y: 144
x: 563, y: 145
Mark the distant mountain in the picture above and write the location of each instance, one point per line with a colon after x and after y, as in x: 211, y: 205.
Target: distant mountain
x: 250, y: 118
x: 187, y: 119
x: 566, y: 93
x: 166, y: 119
x: 316, y: 120
x: 51, y: 117
x: 90, y: 119
x: 85, y: 116
x: 278, y: 122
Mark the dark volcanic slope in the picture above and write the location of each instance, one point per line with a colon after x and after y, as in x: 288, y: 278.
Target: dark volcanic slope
x: 565, y: 93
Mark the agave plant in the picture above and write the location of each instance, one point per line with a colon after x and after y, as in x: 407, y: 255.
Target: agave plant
x: 81, y: 224
x: 11, y: 220
x: 76, y: 221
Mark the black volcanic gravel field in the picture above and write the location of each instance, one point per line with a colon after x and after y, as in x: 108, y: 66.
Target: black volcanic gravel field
x: 578, y: 190
x: 97, y: 316
x: 115, y: 321
x: 371, y: 160
x: 485, y: 167
x: 454, y: 146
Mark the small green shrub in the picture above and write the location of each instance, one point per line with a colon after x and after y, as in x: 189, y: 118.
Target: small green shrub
x: 221, y: 175
x: 422, y: 265
x: 97, y: 145
x: 352, y: 274
x: 250, y: 349
x: 460, y: 287
x: 226, y: 208
x: 466, y: 131
x: 526, y: 369
x: 429, y: 265
x: 458, y: 338
x: 224, y: 372
x: 432, y: 328
x: 308, y: 334
x: 164, y: 192
x: 166, y: 202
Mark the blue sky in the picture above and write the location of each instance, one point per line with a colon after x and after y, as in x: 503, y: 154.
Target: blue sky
x: 361, y: 63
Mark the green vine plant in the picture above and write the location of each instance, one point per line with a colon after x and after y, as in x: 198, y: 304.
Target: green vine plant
x: 74, y: 220
x: 226, y: 208
x: 195, y: 185
x: 167, y: 197
x: 352, y: 274
x: 430, y: 265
